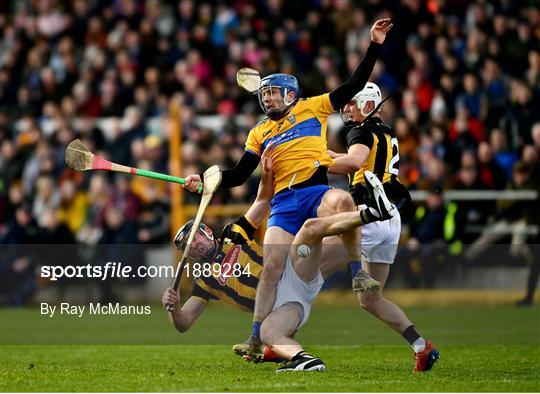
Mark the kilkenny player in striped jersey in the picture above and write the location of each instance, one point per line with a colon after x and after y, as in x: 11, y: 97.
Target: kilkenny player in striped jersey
x: 373, y: 147
x: 239, y: 259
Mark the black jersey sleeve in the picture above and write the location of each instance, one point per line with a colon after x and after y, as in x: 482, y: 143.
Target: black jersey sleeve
x: 346, y: 91
x: 237, y: 175
x: 246, y: 226
x: 237, y: 237
x: 359, y: 135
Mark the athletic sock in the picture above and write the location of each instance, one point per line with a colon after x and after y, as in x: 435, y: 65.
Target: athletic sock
x: 369, y: 215
x: 300, y: 355
x: 256, y: 329
x: 419, y: 345
x: 355, y: 267
x: 412, y: 336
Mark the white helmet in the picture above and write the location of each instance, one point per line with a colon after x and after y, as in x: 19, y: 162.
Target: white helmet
x: 371, y: 92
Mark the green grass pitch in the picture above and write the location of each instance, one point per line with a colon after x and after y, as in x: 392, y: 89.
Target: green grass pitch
x: 482, y: 349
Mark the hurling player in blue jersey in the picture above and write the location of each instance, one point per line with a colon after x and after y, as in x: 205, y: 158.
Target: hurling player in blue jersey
x: 295, y: 131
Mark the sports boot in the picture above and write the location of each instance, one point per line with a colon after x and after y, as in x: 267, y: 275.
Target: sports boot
x: 376, y: 191
x: 362, y: 282
x: 425, y: 359
x: 304, y: 363
x: 250, y: 350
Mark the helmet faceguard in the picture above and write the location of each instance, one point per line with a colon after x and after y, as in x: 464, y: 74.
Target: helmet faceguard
x: 282, y: 83
x: 204, y: 246
x: 346, y: 119
x: 371, y: 92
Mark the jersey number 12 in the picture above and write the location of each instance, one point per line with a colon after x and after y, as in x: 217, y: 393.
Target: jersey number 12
x: 393, y: 166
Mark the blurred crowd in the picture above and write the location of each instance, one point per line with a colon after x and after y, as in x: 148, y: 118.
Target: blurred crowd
x: 464, y: 80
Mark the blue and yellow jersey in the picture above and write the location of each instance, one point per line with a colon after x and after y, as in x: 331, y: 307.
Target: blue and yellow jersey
x: 299, y: 141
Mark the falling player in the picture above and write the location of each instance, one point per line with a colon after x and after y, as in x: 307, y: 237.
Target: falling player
x: 299, y: 285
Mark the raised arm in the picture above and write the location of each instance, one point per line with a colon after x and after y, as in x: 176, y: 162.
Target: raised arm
x: 346, y: 91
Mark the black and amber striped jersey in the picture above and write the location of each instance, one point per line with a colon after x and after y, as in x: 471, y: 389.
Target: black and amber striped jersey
x: 234, y: 274
x: 383, y: 160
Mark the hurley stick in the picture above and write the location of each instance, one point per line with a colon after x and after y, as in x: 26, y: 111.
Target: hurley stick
x: 212, y: 179
x: 79, y: 158
x: 248, y: 79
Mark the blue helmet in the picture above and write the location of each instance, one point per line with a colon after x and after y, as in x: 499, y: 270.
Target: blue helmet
x: 286, y: 84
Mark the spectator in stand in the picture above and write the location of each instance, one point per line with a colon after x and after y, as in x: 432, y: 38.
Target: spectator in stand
x: 153, y: 223
x: 432, y: 169
x: 58, y: 237
x: 117, y: 243
x: 521, y: 115
x: 533, y: 72
x: 73, y: 206
x: 472, y: 98
x: 504, y: 156
x: 47, y: 198
x: 426, y: 245
x: 408, y: 142
x: 496, y: 92
x: 98, y: 197
x: 10, y: 164
x: 17, y: 264
x: 535, y: 136
x: 469, y: 214
x: 491, y: 175
x: 124, y: 199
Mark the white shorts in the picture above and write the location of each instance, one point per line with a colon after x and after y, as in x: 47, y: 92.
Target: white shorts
x: 292, y: 289
x: 380, y: 240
